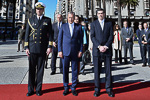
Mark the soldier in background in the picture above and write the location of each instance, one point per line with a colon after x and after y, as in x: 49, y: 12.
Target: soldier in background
x: 37, y: 45
x: 21, y: 36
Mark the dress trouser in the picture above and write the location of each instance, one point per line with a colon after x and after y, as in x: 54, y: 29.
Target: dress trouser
x: 146, y: 49
x: 128, y: 46
x: 19, y: 42
x: 97, y: 60
x: 116, y: 56
x: 36, y: 71
x: 74, y: 65
x: 141, y: 50
x: 53, y: 61
x: 82, y: 67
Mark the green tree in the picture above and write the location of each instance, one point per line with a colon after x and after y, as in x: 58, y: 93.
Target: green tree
x: 123, y: 4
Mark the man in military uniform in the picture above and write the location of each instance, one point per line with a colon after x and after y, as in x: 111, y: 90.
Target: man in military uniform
x: 38, y: 43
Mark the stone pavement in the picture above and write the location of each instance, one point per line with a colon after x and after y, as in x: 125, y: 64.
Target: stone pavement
x: 14, y: 68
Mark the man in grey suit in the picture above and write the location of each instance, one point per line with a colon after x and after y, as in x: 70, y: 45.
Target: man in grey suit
x: 127, y: 35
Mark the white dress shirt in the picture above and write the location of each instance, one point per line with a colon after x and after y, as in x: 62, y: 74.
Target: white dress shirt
x: 101, y: 23
x: 71, y: 27
x: 58, y: 24
x: 39, y: 17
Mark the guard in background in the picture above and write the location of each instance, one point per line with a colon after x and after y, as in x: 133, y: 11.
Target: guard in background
x: 21, y: 36
x: 37, y: 45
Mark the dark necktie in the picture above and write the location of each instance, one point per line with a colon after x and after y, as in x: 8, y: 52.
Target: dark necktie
x: 39, y: 20
x: 59, y: 26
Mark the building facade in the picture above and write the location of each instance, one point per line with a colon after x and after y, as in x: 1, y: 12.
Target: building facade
x: 139, y: 14
x: 24, y: 9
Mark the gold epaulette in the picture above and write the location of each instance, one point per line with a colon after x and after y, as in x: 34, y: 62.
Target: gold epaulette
x: 26, y: 44
x: 33, y: 29
x: 50, y: 43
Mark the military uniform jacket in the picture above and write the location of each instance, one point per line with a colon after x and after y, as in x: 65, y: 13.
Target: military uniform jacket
x: 38, y: 36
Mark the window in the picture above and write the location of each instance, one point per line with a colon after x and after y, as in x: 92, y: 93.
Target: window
x: 115, y: 4
x: 146, y: 4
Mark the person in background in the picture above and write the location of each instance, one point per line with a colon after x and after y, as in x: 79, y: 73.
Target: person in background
x: 85, y: 45
x: 146, y: 44
x: 55, y: 27
x: 117, y: 43
x: 21, y: 36
x: 77, y: 19
x: 4, y: 36
x: 138, y: 33
x: 127, y: 41
x: 90, y: 47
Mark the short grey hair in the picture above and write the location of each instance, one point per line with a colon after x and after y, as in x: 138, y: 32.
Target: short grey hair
x: 72, y: 13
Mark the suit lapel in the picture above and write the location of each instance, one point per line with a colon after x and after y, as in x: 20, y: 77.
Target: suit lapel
x: 98, y: 26
x: 74, y: 30
x: 104, y: 28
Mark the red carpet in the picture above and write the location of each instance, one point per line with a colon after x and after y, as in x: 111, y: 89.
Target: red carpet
x: 123, y: 91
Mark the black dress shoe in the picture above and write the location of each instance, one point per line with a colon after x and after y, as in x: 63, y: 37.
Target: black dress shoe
x: 110, y: 94
x: 74, y: 92
x: 29, y: 94
x: 144, y: 65
x: 38, y: 93
x: 66, y: 92
x: 52, y: 73
x: 61, y: 72
x: 96, y: 94
x: 133, y: 63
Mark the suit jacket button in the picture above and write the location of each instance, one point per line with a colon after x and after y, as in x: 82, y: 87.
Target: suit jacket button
x: 40, y: 37
x: 40, y: 33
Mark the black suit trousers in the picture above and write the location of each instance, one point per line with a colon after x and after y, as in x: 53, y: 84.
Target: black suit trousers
x: 97, y: 60
x: 145, y: 50
x: 36, y: 71
x: 53, y: 61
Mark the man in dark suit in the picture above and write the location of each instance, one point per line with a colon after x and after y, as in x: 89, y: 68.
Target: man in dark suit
x: 70, y: 44
x: 38, y: 43
x: 146, y: 44
x: 138, y: 33
x: 127, y: 35
x: 56, y: 26
x: 102, y: 38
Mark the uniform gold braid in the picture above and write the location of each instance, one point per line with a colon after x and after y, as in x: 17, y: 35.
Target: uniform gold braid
x: 33, y: 29
x: 26, y: 44
x: 50, y: 43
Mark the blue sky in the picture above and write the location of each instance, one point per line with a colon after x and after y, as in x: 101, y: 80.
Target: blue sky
x: 50, y: 7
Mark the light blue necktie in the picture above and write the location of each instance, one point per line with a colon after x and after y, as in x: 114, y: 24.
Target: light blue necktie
x: 84, y: 37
